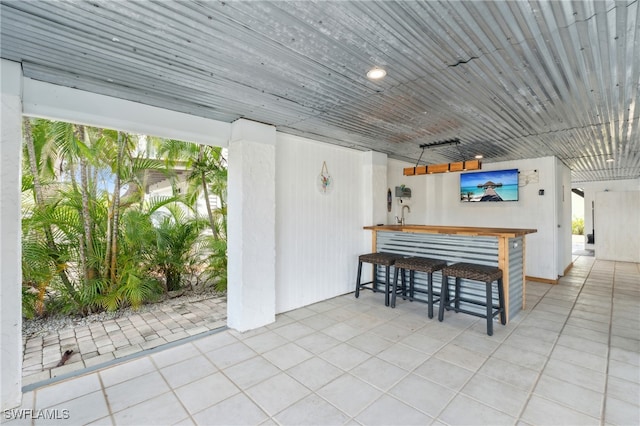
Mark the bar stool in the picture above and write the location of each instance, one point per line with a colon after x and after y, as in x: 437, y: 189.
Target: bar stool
x: 383, y: 259
x: 474, y: 272
x: 413, y: 264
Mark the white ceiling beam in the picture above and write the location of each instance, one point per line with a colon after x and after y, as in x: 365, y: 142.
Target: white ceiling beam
x: 55, y: 102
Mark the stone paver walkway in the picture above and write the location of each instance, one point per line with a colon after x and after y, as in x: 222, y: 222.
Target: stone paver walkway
x: 101, y: 342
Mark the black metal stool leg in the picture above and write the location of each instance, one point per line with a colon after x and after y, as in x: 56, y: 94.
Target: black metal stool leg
x: 374, y: 284
x: 394, y: 288
x: 444, y: 296
x: 456, y: 299
x: 489, y: 304
x: 430, y: 294
x: 386, y: 286
x: 404, y: 284
x: 412, y: 280
x: 358, y: 279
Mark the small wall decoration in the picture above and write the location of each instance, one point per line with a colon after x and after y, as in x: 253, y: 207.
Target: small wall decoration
x: 325, y: 181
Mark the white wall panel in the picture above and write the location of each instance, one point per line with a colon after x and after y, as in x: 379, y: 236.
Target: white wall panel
x: 618, y: 226
x: 318, y: 236
x: 590, y: 191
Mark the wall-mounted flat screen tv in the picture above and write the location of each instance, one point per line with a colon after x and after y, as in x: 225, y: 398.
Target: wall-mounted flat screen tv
x: 494, y: 185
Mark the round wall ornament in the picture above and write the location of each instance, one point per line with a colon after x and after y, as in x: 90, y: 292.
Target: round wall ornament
x: 324, y: 181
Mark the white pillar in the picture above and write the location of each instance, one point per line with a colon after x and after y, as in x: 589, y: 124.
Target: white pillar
x: 374, y: 169
x: 10, y: 247
x: 374, y: 178
x: 251, y: 225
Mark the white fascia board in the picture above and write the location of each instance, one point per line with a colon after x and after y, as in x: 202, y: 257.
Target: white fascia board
x: 63, y: 103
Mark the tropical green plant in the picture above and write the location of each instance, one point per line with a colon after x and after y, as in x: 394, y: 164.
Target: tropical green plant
x: 91, y: 238
x: 176, y: 235
x: 577, y: 226
x: 208, y: 176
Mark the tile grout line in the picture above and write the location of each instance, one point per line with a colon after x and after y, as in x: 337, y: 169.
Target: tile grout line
x: 171, y: 388
x: 106, y: 399
x: 459, y: 391
x: 409, y: 372
x: 548, y: 358
x: 606, y: 373
x: 531, y: 391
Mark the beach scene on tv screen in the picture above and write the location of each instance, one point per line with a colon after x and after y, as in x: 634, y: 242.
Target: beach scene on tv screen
x: 496, y: 185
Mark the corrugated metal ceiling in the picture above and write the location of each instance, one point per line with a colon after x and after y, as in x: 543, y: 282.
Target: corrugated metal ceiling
x: 510, y: 79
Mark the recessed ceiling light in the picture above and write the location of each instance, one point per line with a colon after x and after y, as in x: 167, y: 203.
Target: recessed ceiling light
x: 115, y: 39
x: 479, y: 156
x: 376, y: 73
x: 610, y: 160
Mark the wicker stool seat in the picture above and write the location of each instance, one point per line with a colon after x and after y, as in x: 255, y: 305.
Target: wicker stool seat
x: 473, y: 272
x: 419, y: 264
x: 383, y: 259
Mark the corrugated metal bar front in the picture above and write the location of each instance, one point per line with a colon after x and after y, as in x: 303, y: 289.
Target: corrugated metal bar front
x: 452, y: 249
x: 516, y: 275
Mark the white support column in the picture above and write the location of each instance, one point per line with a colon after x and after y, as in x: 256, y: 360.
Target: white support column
x: 10, y: 247
x: 374, y: 169
x: 374, y: 190
x: 251, y: 226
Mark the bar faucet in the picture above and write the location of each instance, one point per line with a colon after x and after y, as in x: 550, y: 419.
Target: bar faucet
x: 402, y: 216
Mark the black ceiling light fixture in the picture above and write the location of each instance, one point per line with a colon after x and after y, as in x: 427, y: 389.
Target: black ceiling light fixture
x: 441, y: 168
x: 455, y: 141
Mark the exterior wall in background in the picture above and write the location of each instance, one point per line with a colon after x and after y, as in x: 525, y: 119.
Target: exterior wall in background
x: 617, y: 215
x: 590, y: 191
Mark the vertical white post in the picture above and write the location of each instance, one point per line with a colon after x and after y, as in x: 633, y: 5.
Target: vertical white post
x: 251, y: 226
x: 374, y: 170
x: 10, y: 247
x: 374, y: 181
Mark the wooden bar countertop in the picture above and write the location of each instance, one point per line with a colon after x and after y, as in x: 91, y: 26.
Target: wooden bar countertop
x: 454, y: 230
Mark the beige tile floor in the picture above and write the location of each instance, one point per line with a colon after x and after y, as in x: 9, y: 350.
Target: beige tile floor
x: 571, y: 358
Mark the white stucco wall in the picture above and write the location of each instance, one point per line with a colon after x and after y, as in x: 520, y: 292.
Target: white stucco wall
x: 443, y: 207
x: 10, y: 246
x: 251, y: 225
x: 318, y: 235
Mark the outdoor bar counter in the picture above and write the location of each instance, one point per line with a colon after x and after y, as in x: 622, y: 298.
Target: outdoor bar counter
x: 501, y: 247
